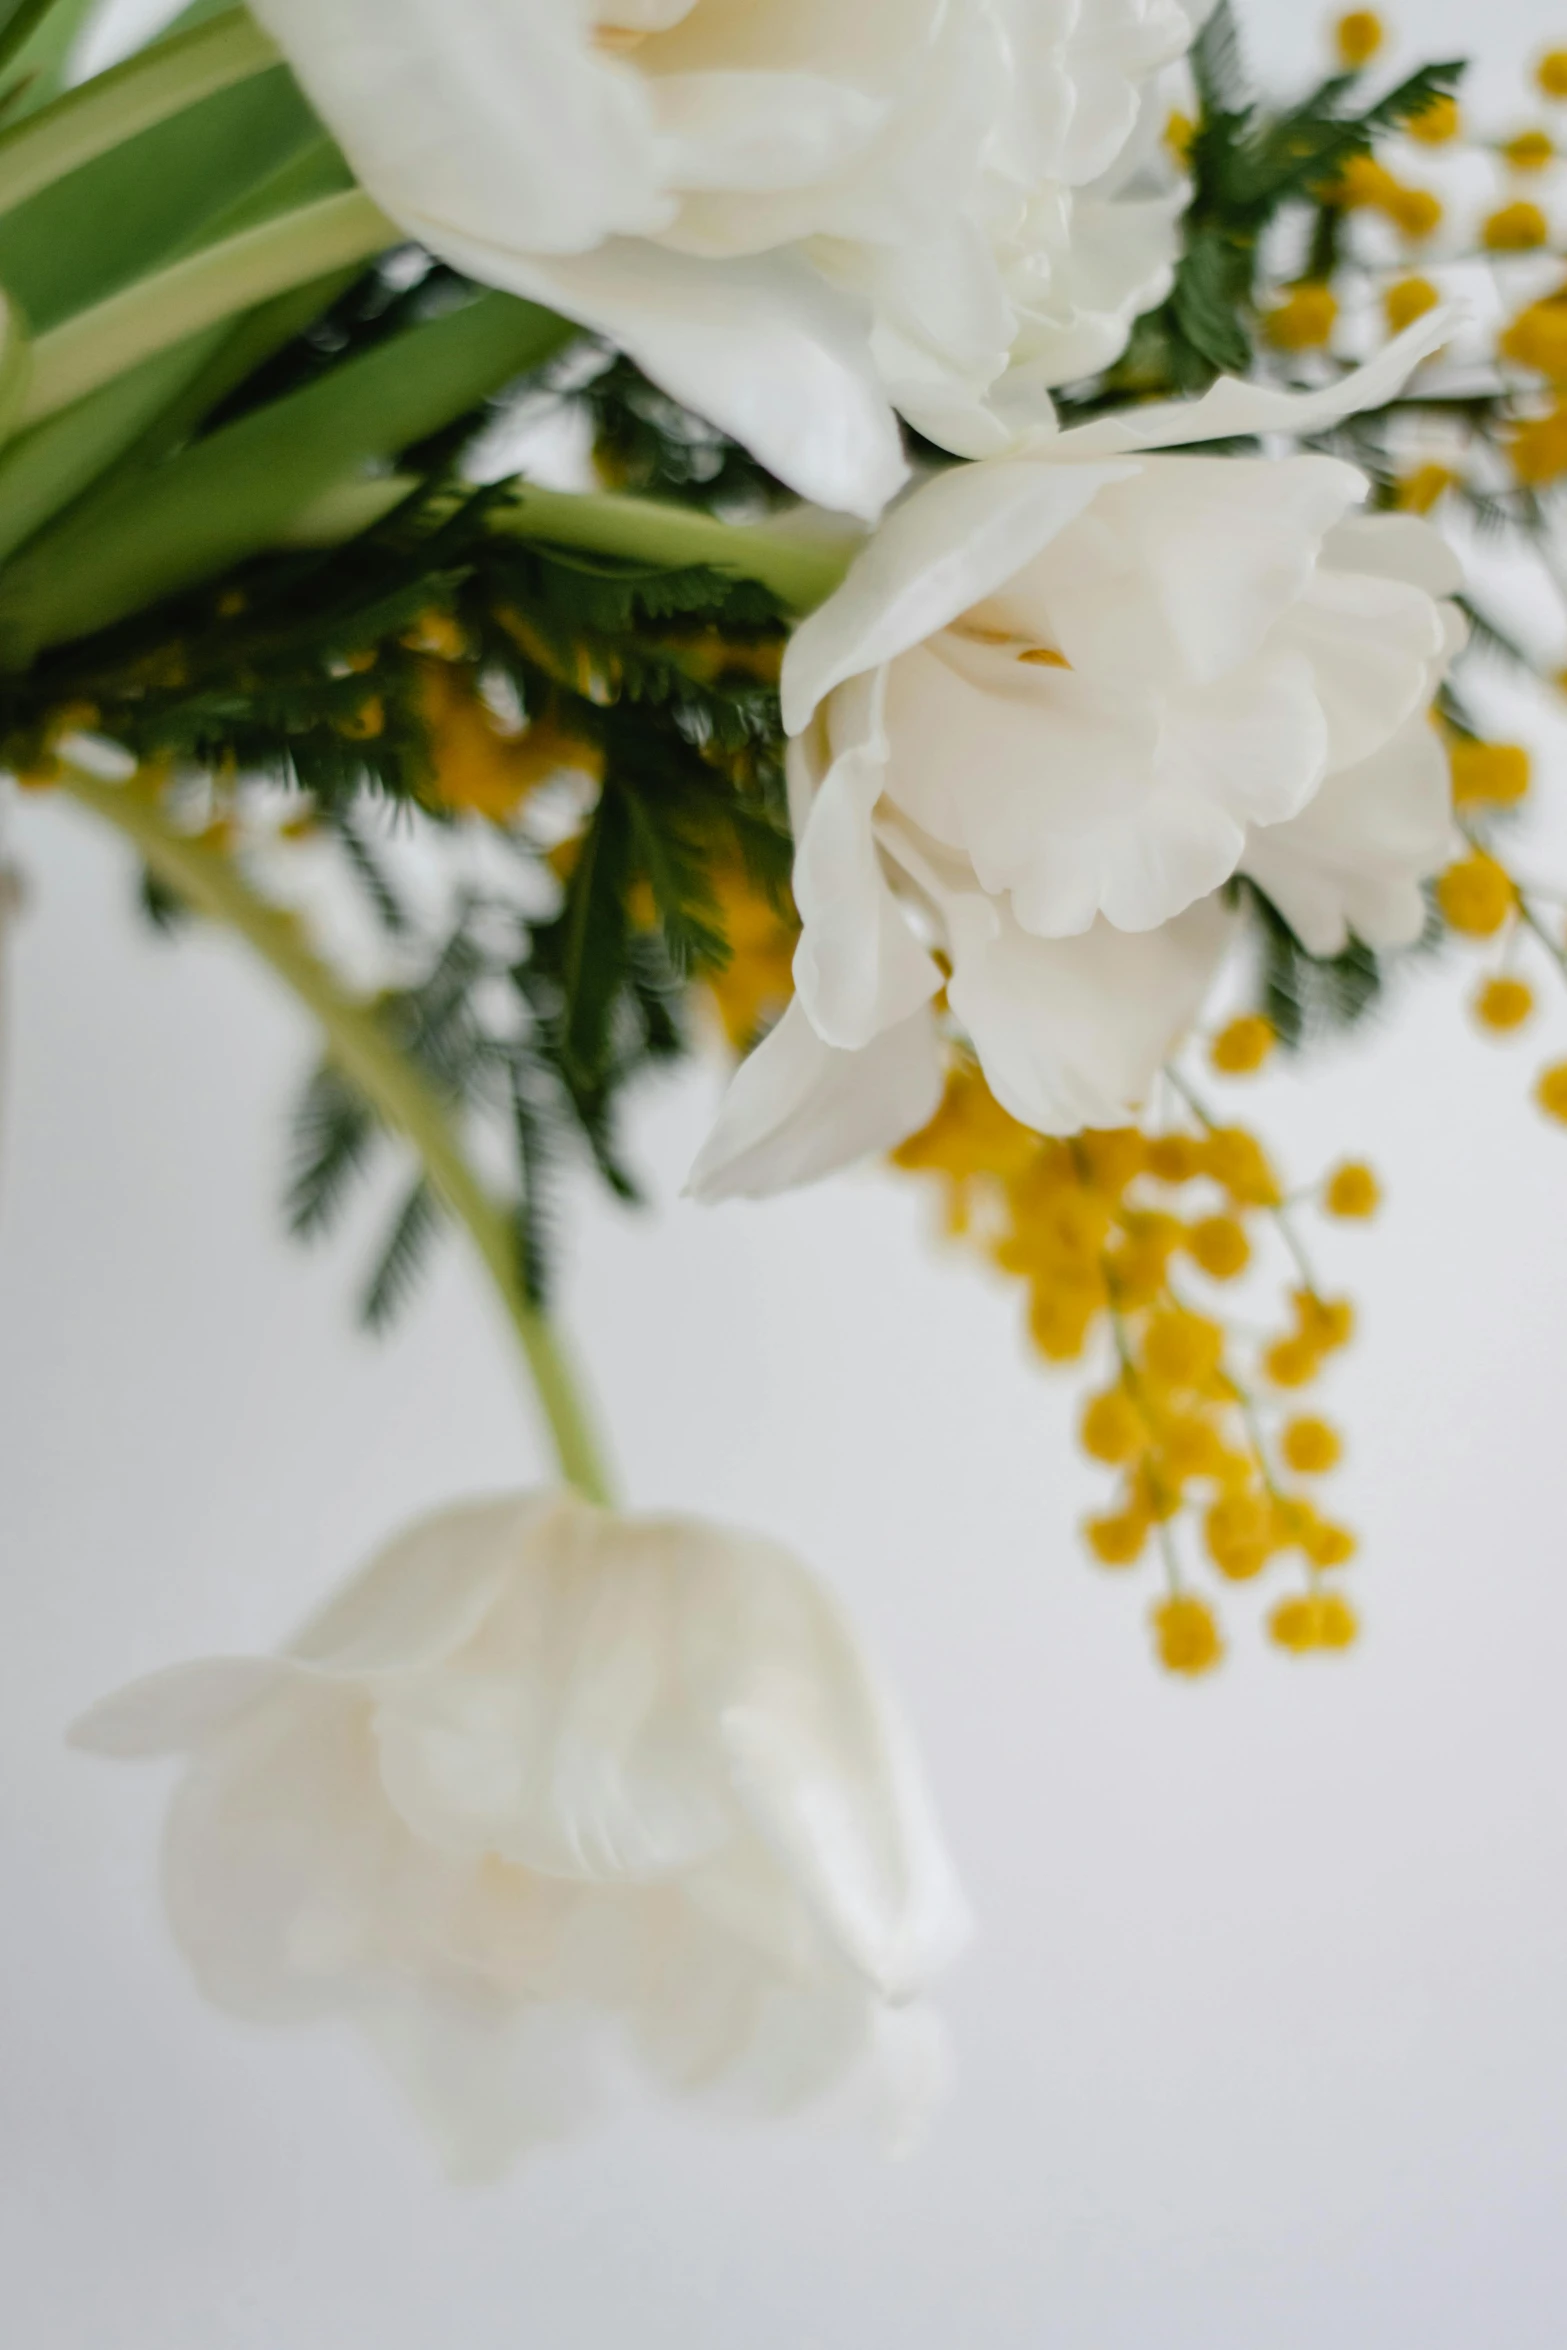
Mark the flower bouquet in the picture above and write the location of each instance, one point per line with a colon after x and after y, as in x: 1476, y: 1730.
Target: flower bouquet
x: 923, y: 551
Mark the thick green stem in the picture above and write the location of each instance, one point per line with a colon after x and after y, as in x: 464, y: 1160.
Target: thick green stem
x: 802, y: 558
x: 159, y: 311
x: 208, y: 880
x: 114, y: 106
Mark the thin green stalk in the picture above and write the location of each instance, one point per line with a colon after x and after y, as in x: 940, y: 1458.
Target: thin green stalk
x: 208, y: 881
x: 157, y: 312
x: 132, y: 97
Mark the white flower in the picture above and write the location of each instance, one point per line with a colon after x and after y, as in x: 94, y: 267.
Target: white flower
x: 784, y: 210
x: 1061, y: 698
x: 545, y: 1783
x: 1072, y: 232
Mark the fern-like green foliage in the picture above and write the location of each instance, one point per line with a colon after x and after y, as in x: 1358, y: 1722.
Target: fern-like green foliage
x: 1248, y: 164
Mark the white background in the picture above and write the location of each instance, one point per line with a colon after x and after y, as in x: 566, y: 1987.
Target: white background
x: 1264, y: 2044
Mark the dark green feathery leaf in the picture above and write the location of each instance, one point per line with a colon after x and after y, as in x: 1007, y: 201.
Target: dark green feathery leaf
x: 333, y: 1135
x: 403, y: 1257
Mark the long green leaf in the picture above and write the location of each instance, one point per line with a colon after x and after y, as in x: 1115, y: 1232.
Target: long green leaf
x: 147, y: 89
x: 19, y: 20
x: 147, y: 411
x: 158, y: 195
x: 235, y: 274
x: 39, y: 62
x: 229, y: 496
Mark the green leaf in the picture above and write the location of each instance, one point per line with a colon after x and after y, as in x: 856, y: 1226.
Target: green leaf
x: 42, y: 471
x: 1212, y: 291
x: 333, y: 1133
x: 402, y: 1259
x: 148, y: 88
x: 235, y: 274
x: 38, y: 61
x: 596, y: 929
x: 227, y: 497
x: 19, y: 20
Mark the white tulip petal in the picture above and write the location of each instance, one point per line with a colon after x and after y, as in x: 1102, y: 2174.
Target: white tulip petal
x: 488, y: 2081
x: 759, y: 131
x: 798, y: 1109
x: 858, y: 968
x: 1395, y: 546
x: 1351, y: 865
x: 288, y: 1880
x: 174, y: 1711
x: 762, y: 347
x: 1233, y: 410
x: 1072, y: 1032
x: 563, y: 1740
x: 426, y: 1593
x: 478, y: 127
x: 952, y: 542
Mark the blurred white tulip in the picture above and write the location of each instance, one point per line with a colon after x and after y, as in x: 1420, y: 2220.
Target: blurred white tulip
x: 546, y: 1788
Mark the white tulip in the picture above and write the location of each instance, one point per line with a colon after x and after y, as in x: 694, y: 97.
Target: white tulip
x: 545, y: 1788
x: 1060, y: 700
x: 788, y: 212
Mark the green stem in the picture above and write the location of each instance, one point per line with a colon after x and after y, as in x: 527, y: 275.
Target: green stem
x: 132, y: 97
x: 159, y: 311
x: 800, y: 556
x: 802, y: 565
x: 209, y: 881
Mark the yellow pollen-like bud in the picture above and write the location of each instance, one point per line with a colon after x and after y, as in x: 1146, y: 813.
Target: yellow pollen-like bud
x: 1357, y: 37
x: 1538, y: 448
x: 1537, y: 338
x: 1292, y: 1362
x: 1551, y: 73
x: 1060, y: 1320
x: 1238, y: 1530
x: 1476, y: 896
x: 1243, y: 1046
x: 1352, y: 1191
x: 365, y: 724
x: 1310, y: 1446
x: 437, y: 634
x: 1327, y: 1545
x: 1364, y: 181
x: 1410, y: 298
x: 1323, y: 1322
x: 1516, y: 228
x: 1419, y: 491
x: 1551, y: 1091
x: 1182, y: 1350
x: 1494, y: 772
x: 1504, y: 1004
x: 1190, y: 1446
x: 1174, y: 1158
x: 1238, y: 1161
x: 1435, y: 124
x: 1186, y: 1633
x: 1529, y: 150
x: 1112, y: 1427
x: 1304, y: 320
x: 1416, y: 211
x: 1179, y: 132
x: 1220, y: 1246
x: 1118, y: 1540
x: 1322, y: 1620
x: 1113, y: 1156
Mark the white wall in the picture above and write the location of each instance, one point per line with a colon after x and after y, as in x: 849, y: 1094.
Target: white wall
x: 1264, y: 2046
